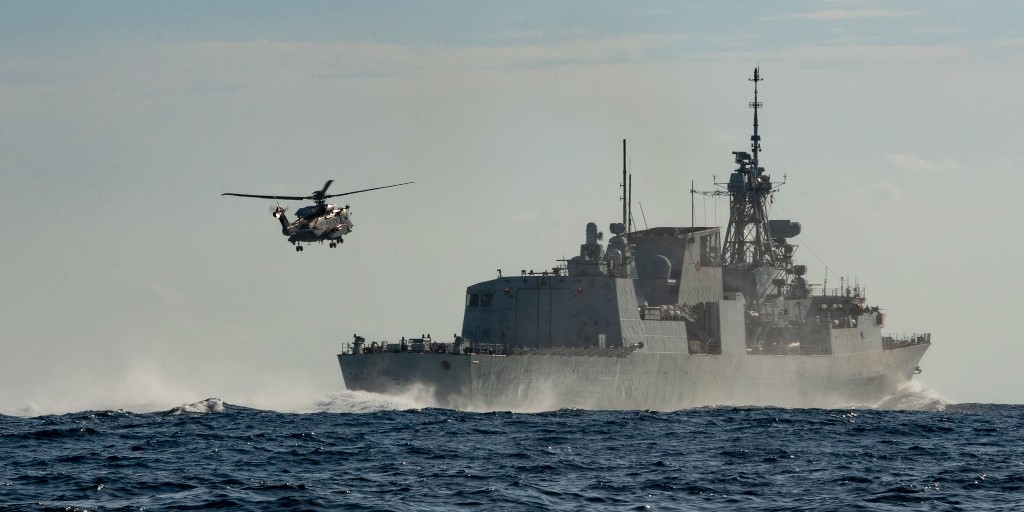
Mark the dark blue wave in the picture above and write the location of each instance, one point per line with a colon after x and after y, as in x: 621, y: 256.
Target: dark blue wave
x: 226, y: 457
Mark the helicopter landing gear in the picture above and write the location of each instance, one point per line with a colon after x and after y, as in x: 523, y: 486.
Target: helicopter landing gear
x: 298, y: 248
x: 333, y: 245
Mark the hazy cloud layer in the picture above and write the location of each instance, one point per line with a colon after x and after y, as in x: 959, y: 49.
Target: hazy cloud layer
x: 918, y: 164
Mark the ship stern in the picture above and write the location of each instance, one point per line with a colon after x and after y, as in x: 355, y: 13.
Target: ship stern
x: 431, y: 380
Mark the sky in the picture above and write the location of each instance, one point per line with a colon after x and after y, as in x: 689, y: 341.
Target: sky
x: 128, y: 281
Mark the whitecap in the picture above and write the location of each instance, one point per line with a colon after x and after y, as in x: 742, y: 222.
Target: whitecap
x: 201, y: 407
x: 914, y: 396
x: 362, y: 401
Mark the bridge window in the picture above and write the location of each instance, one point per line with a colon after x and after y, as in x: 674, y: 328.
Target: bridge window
x: 479, y: 300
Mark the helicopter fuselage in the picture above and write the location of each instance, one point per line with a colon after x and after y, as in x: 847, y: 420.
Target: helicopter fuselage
x: 316, y: 224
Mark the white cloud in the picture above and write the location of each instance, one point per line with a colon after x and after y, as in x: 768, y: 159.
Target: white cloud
x: 948, y: 31
x: 887, y: 190
x: 576, y: 33
x: 356, y: 59
x: 839, y: 14
x: 918, y: 164
x: 1008, y: 43
x: 165, y: 293
x: 875, y: 53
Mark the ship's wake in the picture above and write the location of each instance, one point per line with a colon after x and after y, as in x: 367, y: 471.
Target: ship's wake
x: 912, y: 397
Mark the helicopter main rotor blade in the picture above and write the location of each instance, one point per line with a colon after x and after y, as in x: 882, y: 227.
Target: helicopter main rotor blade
x: 292, y: 198
x: 326, y: 186
x: 368, y: 189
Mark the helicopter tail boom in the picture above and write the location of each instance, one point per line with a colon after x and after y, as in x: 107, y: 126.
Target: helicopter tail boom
x: 282, y: 218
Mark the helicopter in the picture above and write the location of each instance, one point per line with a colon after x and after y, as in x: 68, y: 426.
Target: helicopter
x: 317, y: 223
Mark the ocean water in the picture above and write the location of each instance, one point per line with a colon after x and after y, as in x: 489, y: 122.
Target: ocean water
x: 355, y: 453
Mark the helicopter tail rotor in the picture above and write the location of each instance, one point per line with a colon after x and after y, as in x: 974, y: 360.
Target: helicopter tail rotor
x: 277, y: 210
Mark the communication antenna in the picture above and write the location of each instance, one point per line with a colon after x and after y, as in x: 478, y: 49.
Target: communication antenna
x: 625, y: 188
x: 692, y: 191
x: 755, y: 140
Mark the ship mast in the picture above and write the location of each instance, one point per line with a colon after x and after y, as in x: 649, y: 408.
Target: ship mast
x: 627, y: 188
x: 747, y: 241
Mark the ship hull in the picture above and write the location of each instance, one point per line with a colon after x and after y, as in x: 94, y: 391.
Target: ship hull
x: 639, y: 379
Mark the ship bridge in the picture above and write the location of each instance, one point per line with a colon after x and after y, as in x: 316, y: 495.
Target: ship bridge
x: 597, y: 297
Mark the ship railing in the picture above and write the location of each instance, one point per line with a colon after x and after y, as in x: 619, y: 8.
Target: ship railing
x: 709, y: 346
x: 676, y: 312
x: 849, y: 291
x: 894, y: 341
x: 494, y: 349
x: 420, y: 346
x: 650, y: 313
x: 423, y: 345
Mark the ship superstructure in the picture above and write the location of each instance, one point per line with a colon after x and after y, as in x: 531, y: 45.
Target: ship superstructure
x: 662, y: 318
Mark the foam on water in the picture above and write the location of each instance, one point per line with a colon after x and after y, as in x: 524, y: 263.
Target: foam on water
x: 914, y: 396
x: 419, y: 397
x: 209, y: 405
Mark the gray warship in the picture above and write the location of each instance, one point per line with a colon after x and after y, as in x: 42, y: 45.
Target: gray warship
x: 664, y: 318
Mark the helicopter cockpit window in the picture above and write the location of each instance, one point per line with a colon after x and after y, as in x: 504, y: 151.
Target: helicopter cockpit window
x: 472, y: 300
x: 485, y: 300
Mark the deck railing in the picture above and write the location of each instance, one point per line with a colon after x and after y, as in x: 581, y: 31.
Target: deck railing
x: 893, y: 341
x: 418, y: 346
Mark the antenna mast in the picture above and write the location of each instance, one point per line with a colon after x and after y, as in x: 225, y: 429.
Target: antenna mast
x: 755, y: 140
x: 747, y: 240
x: 625, y: 188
